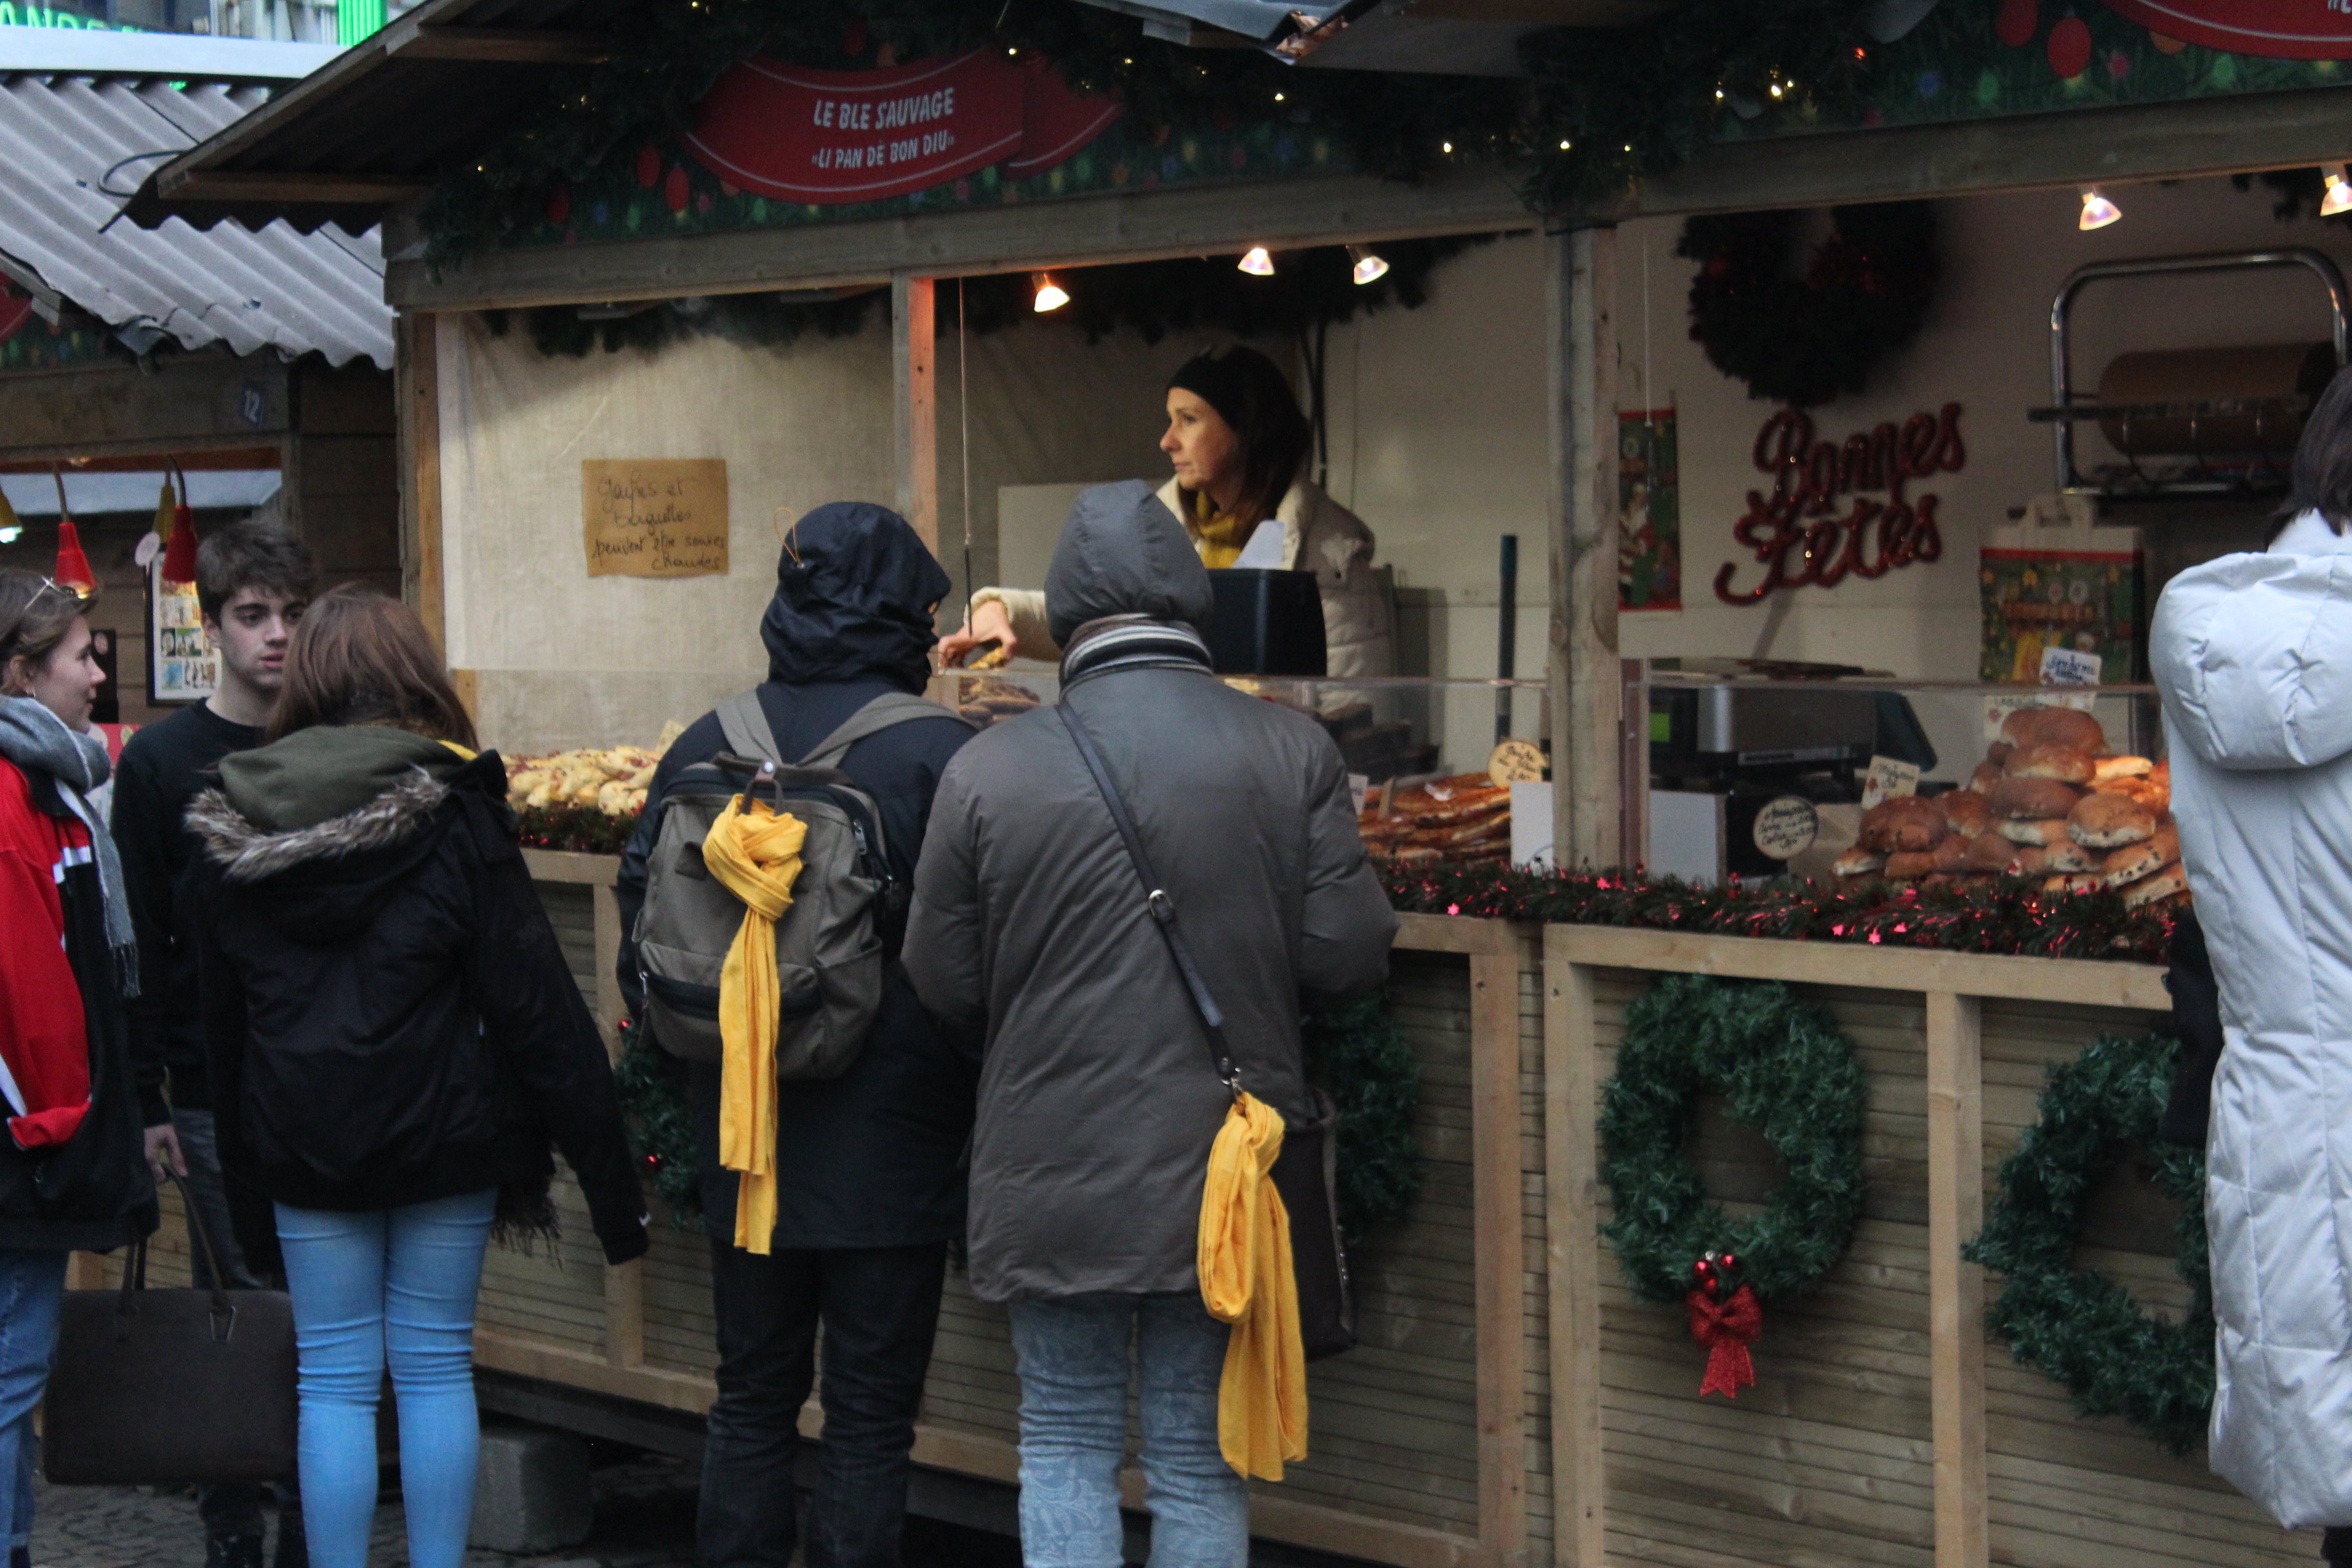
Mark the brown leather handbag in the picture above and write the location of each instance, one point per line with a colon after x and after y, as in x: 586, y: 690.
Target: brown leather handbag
x: 168, y: 1386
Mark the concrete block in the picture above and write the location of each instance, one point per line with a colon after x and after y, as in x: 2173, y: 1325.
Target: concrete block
x: 532, y: 1492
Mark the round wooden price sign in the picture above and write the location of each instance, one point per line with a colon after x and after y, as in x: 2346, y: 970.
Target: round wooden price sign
x: 1515, y: 762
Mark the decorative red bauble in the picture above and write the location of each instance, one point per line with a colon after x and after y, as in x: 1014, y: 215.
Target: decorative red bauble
x: 648, y: 167
x: 674, y: 190
x: 2018, y: 22
x: 558, y: 203
x: 2070, y: 48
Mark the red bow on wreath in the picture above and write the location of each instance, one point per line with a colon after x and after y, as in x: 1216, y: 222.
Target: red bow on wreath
x: 1725, y: 1328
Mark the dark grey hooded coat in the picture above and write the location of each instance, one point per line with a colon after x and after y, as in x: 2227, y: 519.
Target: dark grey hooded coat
x: 1099, y: 1100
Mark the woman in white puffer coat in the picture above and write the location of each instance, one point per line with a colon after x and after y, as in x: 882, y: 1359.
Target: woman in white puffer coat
x: 1238, y: 444
x: 2253, y: 655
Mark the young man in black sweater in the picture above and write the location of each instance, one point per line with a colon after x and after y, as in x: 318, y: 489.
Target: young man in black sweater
x: 252, y: 581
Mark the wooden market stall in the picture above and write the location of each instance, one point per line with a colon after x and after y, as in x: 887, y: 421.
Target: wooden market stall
x: 1513, y: 1403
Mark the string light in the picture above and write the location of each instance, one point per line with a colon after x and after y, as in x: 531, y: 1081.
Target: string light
x: 1446, y: 147
x: 1369, y: 268
x: 2339, y: 192
x: 1258, y: 263
x: 2097, y: 211
x: 1050, y: 295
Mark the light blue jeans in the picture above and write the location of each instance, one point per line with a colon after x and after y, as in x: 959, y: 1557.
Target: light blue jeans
x: 1074, y: 1377
x: 394, y: 1285
x: 31, y: 1283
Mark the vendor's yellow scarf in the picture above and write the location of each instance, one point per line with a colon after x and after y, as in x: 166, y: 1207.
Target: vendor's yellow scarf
x: 1246, y: 1280
x: 755, y: 852
x: 1218, y: 535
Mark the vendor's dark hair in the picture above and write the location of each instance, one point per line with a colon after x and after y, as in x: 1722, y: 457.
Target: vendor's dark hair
x: 1254, y: 397
x: 359, y: 657
x: 251, y: 554
x: 36, y: 615
x: 2321, y: 481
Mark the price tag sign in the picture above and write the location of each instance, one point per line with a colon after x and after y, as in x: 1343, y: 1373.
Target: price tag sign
x: 1515, y: 762
x: 2069, y: 666
x: 1787, y: 826
x: 1358, y: 788
x: 1887, y: 779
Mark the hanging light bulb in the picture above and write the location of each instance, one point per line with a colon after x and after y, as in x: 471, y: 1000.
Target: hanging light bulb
x: 1369, y: 268
x: 2097, y: 211
x: 2339, y: 193
x: 1258, y: 263
x: 1050, y: 294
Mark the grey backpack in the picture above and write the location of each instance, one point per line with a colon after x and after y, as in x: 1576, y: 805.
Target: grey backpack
x: 829, y: 959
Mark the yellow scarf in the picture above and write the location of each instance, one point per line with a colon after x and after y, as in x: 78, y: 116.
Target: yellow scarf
x: 756, y: 853
x: 1219, y: 536
x: 1246, y: 1280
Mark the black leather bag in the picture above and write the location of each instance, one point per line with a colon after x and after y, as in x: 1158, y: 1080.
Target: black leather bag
x: 1305, y: 1173
x: 165, y: 1387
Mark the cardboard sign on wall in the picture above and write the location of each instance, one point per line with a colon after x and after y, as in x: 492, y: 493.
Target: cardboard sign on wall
x: 655, y: 517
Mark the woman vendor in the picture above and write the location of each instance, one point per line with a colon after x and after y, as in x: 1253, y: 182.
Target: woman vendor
x: 1239, y: 445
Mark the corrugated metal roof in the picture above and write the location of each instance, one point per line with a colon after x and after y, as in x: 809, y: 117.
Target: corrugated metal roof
x: 77, y: 146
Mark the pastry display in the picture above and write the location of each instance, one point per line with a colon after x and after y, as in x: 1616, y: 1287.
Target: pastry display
x: 612, y: 779
x: 992, y: 697
x: 1464, y: 819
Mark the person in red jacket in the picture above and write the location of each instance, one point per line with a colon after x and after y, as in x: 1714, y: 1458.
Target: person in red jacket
x: 73, y: 1170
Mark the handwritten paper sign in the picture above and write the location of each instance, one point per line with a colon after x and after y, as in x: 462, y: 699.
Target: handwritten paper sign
x: 655, y: 517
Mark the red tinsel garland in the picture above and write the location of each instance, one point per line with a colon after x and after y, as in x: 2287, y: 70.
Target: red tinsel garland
x: 2015, y: 916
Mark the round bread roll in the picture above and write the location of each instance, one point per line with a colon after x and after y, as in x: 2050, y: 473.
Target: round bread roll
x: 2121, y: 768
x: 2048, y: 831
x: 1998, y: 753
x: 1908, y: 865
x: 1950, y: 853
x: 2106, y: 821
x: 1987, y: 775
x: 2031, y: 861
x: 2039, y: 726
x: 1905, y: 824
x: 2067, y: 856
x: 2134, y: 861
x: 2049, y: 762
x: 1990, y: 853
x: 1966, y: 812
x: 2164, y: 884
x: 2032, y: 800
x: 2077, y: 882
x: 1858, y: 862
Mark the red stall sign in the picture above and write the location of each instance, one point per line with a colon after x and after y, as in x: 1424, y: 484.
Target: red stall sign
x: 830, y: 137
x: 2284, y: 30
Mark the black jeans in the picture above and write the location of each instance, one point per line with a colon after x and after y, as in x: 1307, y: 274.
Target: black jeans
x: 880, y: 1308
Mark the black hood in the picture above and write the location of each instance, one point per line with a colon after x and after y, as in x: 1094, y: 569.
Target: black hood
x: 1124, y: 553
x: 855, y: 588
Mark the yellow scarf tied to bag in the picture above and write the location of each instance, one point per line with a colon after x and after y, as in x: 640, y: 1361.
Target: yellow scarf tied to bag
x: 755, y: 853
x: 1246, y: 1280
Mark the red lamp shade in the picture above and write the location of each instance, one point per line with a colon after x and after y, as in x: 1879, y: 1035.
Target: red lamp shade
x: 73, y: 567
x: 180, y: 555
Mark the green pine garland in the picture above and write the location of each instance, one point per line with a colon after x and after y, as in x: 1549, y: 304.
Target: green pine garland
x: 1357, y: 1054
x: 2082, y: 1328
x: 1600, y: 111
x: 1789, y: 1072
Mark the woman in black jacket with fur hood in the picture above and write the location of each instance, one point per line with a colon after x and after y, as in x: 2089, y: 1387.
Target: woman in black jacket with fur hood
x: 395, y: 1038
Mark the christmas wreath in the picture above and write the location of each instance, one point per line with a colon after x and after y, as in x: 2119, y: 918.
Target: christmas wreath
x: 1804, y: 340
x: 1358, y: 1054
x: 2077, y: 1326
x: 1789, y: 1073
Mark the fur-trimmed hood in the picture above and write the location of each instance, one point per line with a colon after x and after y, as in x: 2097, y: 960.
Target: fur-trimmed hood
x: 249, y: 854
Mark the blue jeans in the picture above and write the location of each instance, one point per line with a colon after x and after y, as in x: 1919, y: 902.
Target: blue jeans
x: 1074, y: 1376
x: 30, y: 1285
x: 396, y: 1284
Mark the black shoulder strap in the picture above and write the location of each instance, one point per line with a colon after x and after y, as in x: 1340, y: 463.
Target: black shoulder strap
x: 1155, y: 899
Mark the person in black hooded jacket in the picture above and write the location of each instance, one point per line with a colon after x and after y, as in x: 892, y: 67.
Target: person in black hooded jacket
x: 394, y: 1036
x: 869, y: 1165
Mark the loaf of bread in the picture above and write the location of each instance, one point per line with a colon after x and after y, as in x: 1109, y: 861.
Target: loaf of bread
x: 2039, y: 726
x: 1966, y: 812
x: 2032, y: 800
x: 1905, y: 824
x: 2049, y: 830
x: 2106, y: 821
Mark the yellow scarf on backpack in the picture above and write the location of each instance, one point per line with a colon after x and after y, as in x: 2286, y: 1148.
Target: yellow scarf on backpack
x: 755, y: 853
x: 1246, y: 1280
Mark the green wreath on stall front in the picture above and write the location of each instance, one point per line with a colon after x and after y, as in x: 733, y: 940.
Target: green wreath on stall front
x: 2078, y: 1328
x: 1786, y: 1071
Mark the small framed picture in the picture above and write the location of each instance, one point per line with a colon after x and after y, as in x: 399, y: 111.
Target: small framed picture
x: 181, y: 665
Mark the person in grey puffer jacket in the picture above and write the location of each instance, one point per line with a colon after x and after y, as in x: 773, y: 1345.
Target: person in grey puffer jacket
x: 1098, y: 1096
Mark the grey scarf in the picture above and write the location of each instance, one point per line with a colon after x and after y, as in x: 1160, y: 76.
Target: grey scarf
x: 33, y: 737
